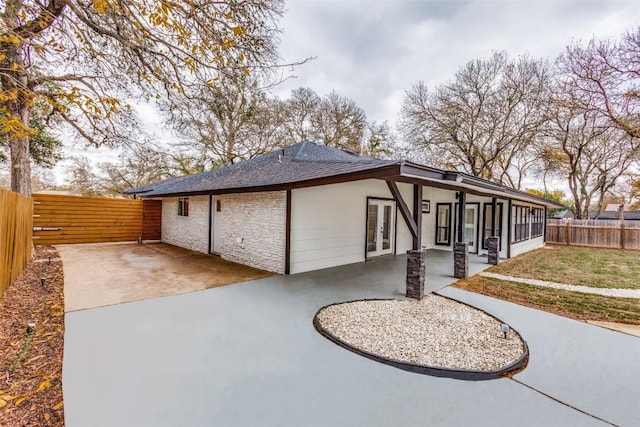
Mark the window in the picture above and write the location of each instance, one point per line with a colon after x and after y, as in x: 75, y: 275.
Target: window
x: 537, y: 222
x: 426, y: 206
x: 520, y: 220
x: 443, y: 224
x: 486, y: 229
x: 183, y: 206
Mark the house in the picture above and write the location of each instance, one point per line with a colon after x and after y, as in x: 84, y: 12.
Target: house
x: 310, y: 206
x: 615, y: 215
x: 566, y: 214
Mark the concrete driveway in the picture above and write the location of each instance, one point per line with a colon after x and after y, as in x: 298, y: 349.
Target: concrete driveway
x: 97, y: 275
x: 248, y: 355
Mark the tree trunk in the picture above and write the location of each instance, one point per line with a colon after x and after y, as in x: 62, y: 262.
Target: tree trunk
x: 20, y: 165
x: 15, y: 80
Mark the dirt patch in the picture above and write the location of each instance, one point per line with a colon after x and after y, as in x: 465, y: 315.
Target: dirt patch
x: 31, y: 362
x: 98, y: 275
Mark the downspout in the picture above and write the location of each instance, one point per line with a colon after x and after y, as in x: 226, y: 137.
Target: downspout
x: 509, y: 229
x: 210, y: 226
x: 287, y: 244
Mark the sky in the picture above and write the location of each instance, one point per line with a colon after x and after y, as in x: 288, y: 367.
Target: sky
x: 373, y: 51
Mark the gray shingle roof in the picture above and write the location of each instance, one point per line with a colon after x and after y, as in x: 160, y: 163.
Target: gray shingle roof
x: 300, y: 162
x: 307, y: 163
x: 627, y: 215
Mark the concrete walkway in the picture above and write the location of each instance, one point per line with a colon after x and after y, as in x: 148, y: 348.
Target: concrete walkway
x: 608, y: 292
x: 248, y: 355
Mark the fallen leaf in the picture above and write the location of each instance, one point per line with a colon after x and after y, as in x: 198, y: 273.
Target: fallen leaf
x: 3, y: 403
x: 21, y: 399
x: 58, y: 405
x: 47, y: 416
x: 44, y: 385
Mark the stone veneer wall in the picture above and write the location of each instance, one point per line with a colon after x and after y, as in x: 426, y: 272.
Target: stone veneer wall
x: 253, y: 229
x: 190, y: 232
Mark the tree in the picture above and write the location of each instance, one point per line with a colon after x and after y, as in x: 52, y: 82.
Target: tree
x: 592, y: 153
x: 379, y: 140
x: 44, y: 148
x: 82, y: 179
x: 81, y: 60
x: 340, y: 122
x: 232, y: 121
x: 484, y: 121
x: 337, y: 120
x: 299, y: 112
x: 608, y: 71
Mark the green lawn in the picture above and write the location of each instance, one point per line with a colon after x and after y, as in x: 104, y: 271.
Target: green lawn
x: 600, y: 268
x: 569, y: 304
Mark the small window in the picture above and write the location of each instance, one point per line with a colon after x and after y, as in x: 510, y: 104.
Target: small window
x: 183, y: 206
x: 426, y: 206
x: 218, y: 206
x: 443, y: 224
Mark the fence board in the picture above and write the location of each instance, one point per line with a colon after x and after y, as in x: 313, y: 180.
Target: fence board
x: 16, y: 222
x: 595, y: 233
x: 76, y: 219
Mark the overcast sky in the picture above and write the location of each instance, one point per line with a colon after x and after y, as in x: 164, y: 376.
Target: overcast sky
x: 373, y: 51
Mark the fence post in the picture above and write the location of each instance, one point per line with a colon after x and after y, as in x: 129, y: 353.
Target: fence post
x: 567, y: 234
x: 621, y: 234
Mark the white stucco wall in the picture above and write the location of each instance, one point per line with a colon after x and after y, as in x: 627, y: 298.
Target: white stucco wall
x: 328, y: 223
x: 253, y: 229
x: 190, y: 232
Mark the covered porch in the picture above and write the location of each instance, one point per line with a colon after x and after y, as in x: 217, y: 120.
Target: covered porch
x: 385, y: 277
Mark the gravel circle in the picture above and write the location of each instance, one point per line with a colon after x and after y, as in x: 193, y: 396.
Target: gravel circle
x: 435, y: 332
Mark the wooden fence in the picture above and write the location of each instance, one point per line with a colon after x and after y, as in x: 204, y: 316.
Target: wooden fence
x: 16, y: 221
x: 595, y: 233
x: 74, y: 219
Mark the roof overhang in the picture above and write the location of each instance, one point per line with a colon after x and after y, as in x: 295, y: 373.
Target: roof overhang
x: 406, y: 172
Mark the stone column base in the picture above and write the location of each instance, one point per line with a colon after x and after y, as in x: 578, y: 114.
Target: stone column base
x: 461, y: 260
x: 493, y: 243
x: 416, y: 270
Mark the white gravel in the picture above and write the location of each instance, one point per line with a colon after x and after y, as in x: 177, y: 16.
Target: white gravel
x: 609, y: 292
x: 436, y: 332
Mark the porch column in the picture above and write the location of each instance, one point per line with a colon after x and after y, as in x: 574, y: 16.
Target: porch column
x: 416, y: 258
x: 493, y: 242
x: 416, y: 271
x: 460, y: 247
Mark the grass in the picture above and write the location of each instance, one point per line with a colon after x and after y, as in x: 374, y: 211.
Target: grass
x: 569, y: 304
x: 595, y: 267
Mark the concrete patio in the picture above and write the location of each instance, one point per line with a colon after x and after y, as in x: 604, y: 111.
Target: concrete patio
x: 247, y: 355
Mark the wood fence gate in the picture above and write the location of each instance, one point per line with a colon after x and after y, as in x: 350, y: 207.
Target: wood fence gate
x: 75, y: 219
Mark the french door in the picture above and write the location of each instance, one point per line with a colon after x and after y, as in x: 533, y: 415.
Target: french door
x: 380, y: 227
x: 471, y: 227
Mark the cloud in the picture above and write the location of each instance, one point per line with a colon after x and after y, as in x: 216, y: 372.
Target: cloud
x: 373, y: 51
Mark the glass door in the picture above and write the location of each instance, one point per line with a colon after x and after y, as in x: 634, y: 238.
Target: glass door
x: 471, y: 227
x: 380, y: 227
